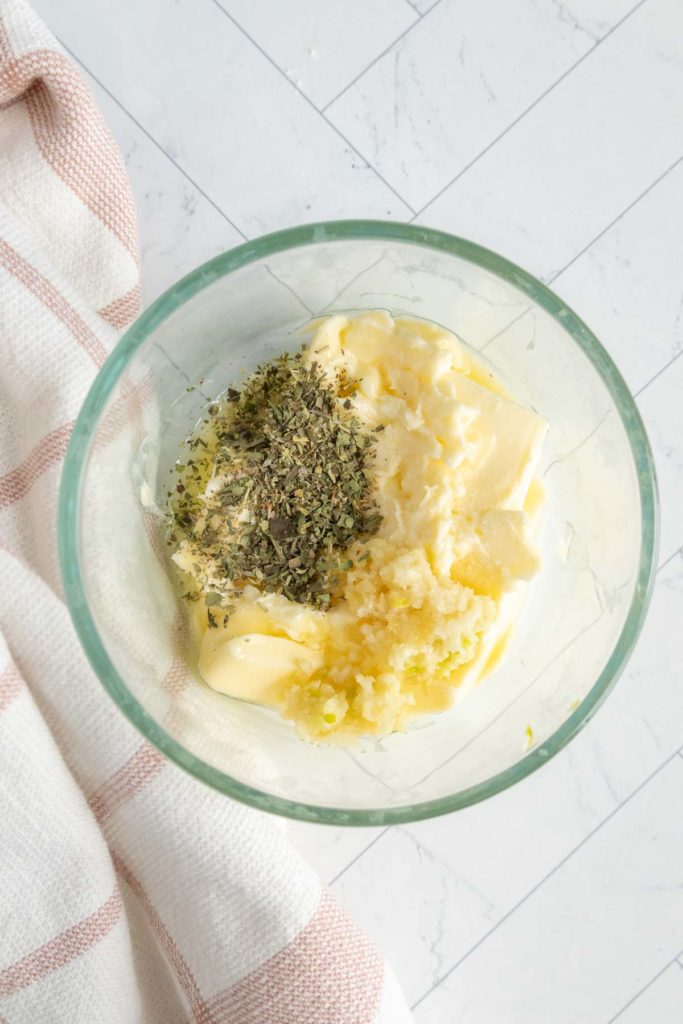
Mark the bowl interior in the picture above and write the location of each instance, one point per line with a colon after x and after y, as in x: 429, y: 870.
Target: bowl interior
x: 583, y: 612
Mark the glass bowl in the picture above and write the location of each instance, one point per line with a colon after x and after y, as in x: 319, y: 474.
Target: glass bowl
x: 584, y: 610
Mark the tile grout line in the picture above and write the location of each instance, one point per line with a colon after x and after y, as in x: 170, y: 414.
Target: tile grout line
x: 311, y: 104
x: 546, y: 877
x: 678, y: 551
x: 657, y: 374
x: 574, y: 450
x: 366, y: 771
x: 271, y: 273
x: 644, y: 989
x: 608, y: 227
x: 507, y: 327
x: 348, y: 284
x: 232, y: 224
x: 151, y: 138
x: 528, y: 109
x: 616, y: 220
x: 519, y: 696
x: 362, y: 853
x: 359, y: 855
x: 549, y: 281
x: 379, y: 57
x: 242, y: 235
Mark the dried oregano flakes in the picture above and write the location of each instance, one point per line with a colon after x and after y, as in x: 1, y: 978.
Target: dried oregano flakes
x: 276, y: 485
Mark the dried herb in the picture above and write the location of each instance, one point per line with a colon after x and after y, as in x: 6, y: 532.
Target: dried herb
x: 288, y: 469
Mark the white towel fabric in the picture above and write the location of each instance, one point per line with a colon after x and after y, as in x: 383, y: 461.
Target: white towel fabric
x: 128, y: 891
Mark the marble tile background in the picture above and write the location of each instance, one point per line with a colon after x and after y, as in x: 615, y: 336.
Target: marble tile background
x: 552, y: 132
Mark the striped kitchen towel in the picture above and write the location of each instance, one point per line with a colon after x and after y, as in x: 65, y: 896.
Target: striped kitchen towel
x: 128, y: 891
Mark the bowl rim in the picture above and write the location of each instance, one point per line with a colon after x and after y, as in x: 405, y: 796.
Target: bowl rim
x: 194, y: 282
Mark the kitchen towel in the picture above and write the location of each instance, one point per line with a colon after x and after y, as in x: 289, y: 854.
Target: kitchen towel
x: 128, y: 891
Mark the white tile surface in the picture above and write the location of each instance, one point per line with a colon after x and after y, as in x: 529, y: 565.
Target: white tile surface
x: 179, y: 227
x: 484, y: 861
x: 629, y: 290
x: 449, y: 87
x: 572, y: 165
x: 660, y: 1003
x: 576, y: 882
x: 331, y: 850
x: 322, y: 46
x: 619, y: 898
x: 205, y: 94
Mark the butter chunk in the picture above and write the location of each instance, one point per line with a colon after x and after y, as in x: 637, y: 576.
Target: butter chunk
x: 253, y: 666
x: 506, y: 440
x: 499, y: 550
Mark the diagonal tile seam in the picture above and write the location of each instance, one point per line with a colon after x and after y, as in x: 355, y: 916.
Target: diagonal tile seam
x: 546, y: 877
x: 181, y: 170
x: 555, y: 275
x: 639, y: 392
x: 239, y: 231
x: 550, y: 281
x: 558, y: 273
x: 531, y: 106
x: 677, y: 554
x: 242, y: 234
x: 151, y: 138
x: 420, y: 15
x: 366, y: 771
x: 644, y: 989
x: 529, y: 686
x: 388, y: 828
x: 379, y: 56
x: 361, y: 854
x: 608, y: 227
x: 658, y: 374
x: 233, y: 225
x: 572, y: 451
x: 311, y: 104
x: 222, y: 213
x: 288, y: 287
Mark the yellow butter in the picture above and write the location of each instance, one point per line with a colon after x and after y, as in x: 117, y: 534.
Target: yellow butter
x: 430, y: 608
x: 253, y: 666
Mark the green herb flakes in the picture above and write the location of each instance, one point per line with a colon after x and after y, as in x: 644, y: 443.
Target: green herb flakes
x: 288, y: 469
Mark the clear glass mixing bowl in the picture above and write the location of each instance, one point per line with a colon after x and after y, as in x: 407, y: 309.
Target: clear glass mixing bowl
x: 584, y: 611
